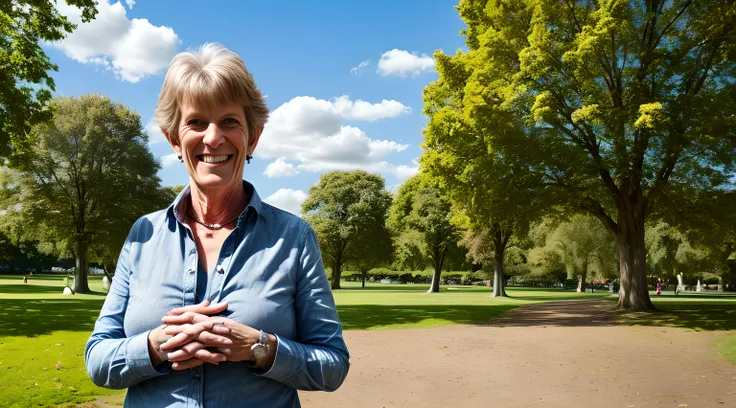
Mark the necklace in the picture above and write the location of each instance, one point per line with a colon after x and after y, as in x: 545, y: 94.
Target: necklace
x: 212, y: 227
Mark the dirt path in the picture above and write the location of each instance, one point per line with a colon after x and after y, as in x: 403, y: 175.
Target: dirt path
x: 566, y: 354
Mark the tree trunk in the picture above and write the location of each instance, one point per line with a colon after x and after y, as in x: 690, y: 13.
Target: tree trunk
x: 498, y: 289
x: 337, y: 271
x: 499, y: 244
x: 634, y: 292
x: 80, y: 273
x: 438, y: 261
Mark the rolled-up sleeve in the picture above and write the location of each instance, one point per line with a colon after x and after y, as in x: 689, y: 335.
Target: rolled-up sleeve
x: 114, y: 360
x: 318, y: 359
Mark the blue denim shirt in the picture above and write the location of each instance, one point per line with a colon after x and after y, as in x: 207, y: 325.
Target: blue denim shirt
x: 269, y: 271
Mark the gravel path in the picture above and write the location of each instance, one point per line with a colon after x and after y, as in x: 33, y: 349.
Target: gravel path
x: 560, y: 354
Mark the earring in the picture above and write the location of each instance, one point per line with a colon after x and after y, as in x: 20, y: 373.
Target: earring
x: 248, y: 158
x: 180, y: 158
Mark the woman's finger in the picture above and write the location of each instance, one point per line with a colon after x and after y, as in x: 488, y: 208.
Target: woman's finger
x: 187, y: 364
x: 203, y: 308
x: 185, y: 352
x: 188, y: 332
x: 209, y: 356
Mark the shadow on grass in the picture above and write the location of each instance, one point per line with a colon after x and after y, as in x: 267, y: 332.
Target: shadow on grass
x: 30, y: 288
x: 362, y: 317
x: 695, y: 315
x: 20, y: 317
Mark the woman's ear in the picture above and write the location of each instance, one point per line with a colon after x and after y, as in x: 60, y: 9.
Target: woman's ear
x: 253, y: 138
x: 172, y: 141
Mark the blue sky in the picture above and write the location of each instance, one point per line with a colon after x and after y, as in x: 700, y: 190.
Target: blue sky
x: 329, y: 111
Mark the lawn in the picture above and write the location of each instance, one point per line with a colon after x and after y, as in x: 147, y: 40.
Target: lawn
x: 43, y: 332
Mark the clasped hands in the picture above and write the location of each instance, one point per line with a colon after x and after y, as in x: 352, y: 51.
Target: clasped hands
x: 192, y: 336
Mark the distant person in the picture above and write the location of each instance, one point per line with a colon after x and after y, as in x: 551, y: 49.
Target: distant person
x: 659, y: 286
x: 248, y: 315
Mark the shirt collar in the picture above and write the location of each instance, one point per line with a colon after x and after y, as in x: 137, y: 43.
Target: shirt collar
x: 255, y: 203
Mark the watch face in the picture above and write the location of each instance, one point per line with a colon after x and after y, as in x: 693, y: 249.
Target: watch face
x: 259, y: 351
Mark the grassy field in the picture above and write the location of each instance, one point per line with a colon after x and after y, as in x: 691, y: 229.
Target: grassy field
x: 42, y: 332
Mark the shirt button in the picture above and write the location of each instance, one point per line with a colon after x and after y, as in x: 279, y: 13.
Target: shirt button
x: 220, y: 269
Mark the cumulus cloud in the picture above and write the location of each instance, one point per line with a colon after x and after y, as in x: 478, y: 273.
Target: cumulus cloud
x: 132, y: 49
x: 402, y: 63
x: 358, y: 70
x: 155, y: 135
x: 169, y: 160
x: 287, y: 200
x: 280, y: 168
x: 404, y: 172
x: 130, y: 3
x: 312, y: 132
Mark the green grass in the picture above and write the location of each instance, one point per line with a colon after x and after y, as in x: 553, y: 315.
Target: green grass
x: 42, y: 342
x: 690, y: 310
x: 43, y: 332
x: 726, y: 347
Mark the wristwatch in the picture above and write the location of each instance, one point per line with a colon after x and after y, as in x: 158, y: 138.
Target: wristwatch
x: 260, y: 349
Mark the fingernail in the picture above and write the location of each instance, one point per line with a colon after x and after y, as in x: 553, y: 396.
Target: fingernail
x: 226, y: 350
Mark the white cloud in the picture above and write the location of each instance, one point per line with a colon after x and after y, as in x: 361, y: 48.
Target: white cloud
x: 287, y: 200
x: 312, y: 132
x: 400, y: 63
x: 132, y: 49
x: 358, y: 70
x: 404, y: 172
x: 130, y: 3
x: 169, y: 160
x: 155, y: 135
x: 280, y: 168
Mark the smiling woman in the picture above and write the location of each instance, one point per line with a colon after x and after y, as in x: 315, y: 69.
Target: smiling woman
x: 248, y: 316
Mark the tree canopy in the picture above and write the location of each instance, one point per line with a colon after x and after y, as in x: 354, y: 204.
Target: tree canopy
x: 88, y: 176
x: 420, y: 219
x: 347, y: 210
x: 621, y: 109
x: 25, y: 83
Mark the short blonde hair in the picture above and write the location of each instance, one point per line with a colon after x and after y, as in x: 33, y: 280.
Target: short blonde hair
x: 211, y: 75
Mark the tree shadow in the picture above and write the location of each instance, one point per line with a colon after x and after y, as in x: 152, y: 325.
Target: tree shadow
x: 694, y: 315
x: 363, y: 317
x: 30, y: 288
x: 22, y: 317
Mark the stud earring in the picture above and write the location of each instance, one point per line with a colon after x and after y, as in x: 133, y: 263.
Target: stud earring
x: 248, y: 158
x: 180, y: 158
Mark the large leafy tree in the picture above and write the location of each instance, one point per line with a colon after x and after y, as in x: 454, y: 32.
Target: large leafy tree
x: 421, y: 212
x: 347, y: 210
x: 88, y: 176
x: 582, y: 245
x: 622, y: 108
x: 25, y: 83
x: 489, y: 191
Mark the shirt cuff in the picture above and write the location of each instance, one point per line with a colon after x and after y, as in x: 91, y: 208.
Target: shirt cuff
x: 138, y: 359
x: 286, y: 363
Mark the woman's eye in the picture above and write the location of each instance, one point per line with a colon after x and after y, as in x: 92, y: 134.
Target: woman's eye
x: 230, y: 121
x: 194, y: 122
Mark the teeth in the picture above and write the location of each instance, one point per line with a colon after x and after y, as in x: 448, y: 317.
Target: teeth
x: 214, y: 159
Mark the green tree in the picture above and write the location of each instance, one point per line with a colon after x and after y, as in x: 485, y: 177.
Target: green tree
x: 347, y: 210
x: 670, y: 252
x: 25, y: 83
x: 622, y: 108
x: 585, y: 247
x: 420, y: 207
x: 490, y: 193
x: 88, y: 176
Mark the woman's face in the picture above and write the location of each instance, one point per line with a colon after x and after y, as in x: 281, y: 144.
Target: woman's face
x: 213, y: 141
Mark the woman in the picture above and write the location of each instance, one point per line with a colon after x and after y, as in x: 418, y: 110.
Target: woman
x: 220, y: 300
